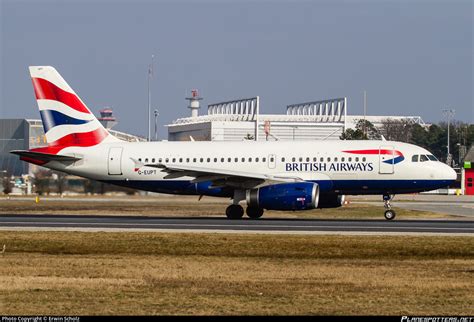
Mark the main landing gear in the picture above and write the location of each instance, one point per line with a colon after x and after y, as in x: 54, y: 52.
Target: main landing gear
x: 237, y: 212
x: 389, y: 213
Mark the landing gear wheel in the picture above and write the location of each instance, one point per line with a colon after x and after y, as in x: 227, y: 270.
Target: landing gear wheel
x: 254, y: 212
x: 389, y: 214
x: 234, y: 212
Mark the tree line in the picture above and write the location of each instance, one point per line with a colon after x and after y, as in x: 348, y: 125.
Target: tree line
x: 432, y: 137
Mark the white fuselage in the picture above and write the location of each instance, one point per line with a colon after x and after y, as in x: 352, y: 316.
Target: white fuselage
x: 364, y: 170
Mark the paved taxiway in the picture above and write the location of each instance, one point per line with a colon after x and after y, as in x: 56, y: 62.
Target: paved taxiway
x: 122, y: 223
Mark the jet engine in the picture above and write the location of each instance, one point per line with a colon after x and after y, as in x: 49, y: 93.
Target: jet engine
x: 331, y: 201
x: 284, y: 196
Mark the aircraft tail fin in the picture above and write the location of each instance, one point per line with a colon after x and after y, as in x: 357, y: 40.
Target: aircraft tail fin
x: 67, y: 121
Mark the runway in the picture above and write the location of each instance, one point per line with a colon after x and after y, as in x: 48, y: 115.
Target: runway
x: 211, y: 224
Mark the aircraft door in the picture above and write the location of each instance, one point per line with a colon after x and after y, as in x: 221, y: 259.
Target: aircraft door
x: 271, y: 161
x: 115, y: 161
x: 386, y: 160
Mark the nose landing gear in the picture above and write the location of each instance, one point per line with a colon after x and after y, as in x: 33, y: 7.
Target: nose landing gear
x: 389, y: 213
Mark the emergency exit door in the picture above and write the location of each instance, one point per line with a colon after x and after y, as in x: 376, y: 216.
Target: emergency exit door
x: 271, y: 161
x: 115, y: 161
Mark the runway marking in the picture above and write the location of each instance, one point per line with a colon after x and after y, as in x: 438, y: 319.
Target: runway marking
x: 151, y: 225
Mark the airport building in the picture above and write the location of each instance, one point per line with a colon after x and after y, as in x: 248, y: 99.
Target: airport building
x: 241, y: 119
x: 25, y: 134
x: 467, y: 173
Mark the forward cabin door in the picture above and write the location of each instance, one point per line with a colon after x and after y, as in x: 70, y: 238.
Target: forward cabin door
x: 386, y: 160
x: 115, y: 161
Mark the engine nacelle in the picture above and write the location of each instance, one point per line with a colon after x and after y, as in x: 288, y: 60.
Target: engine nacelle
x: 284, y: 196
x: 331, y: 201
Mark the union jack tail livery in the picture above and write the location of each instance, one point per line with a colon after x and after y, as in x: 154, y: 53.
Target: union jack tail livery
x: 66, y: 119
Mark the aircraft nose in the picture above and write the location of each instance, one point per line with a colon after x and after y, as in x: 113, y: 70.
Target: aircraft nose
x: 447, y: 173
x: 450, y: 173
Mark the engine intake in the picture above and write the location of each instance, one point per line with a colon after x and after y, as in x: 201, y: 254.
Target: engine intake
x: 284, y: 196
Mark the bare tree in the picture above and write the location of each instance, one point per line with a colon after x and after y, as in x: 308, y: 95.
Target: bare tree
x: 397, y: 130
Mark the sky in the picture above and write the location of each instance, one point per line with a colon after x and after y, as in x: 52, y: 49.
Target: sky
x: 412, y: 57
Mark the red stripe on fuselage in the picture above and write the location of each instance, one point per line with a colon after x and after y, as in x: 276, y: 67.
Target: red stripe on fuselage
x: 383, y: 151
x: 48, y: 91
x: 85, y: 139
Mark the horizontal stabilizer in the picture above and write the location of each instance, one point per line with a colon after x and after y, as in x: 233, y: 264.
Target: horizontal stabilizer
x: 43, y: 157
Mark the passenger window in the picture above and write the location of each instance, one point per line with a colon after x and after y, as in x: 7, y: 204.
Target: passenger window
x: 229, y: 160
x: 329, y: 159
x: 357, y: 159
x: 180, y: 160
x: 167, y: 160
x: 153, y: 160
x: 272, y: 159
x: 250, y: 159
x: 293, y: 159
x: 264, y: 159
x: 236, y: 160
x: 174, y: 160
x: 256, y: 159
x: 243, y: 159
x: 423, y: 158
x: 335, y: 159
x: 315, y: 159
x: 194, y: 159
x: 201, y: 160
x: 301, y: 159
x: 321, y: 159
x: 160, y: 160
x: 146, y: 160
x: 364, y: 159
x: 350, y: 159
x: 342, y: 159
x: 215, y: 159
x: 414, y: 158
x: 187, y: 160
x: 208, y: 159
x: 140, y: 159
x: 307, y: 159
x: 282, y: 159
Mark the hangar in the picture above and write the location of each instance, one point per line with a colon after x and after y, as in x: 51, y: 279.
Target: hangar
x: 241, y: 119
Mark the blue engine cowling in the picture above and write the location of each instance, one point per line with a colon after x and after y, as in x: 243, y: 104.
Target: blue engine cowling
x: 284, y: 196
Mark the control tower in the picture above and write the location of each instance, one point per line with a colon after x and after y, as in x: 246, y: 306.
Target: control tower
x: 107, y: 118
x: 194, y: 102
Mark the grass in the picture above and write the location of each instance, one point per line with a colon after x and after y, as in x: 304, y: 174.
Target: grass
x: 69, y: 273
x: 188, y: 206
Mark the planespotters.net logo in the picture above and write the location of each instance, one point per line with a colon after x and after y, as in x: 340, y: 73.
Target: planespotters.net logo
x: 437, y: 319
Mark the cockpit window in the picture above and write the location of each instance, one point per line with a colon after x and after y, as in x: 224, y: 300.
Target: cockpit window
x: 432, y: 157
x: 414, y: 158
x: 423, y: 158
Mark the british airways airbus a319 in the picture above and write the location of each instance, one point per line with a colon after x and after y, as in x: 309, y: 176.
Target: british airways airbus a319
x: 262, y: 175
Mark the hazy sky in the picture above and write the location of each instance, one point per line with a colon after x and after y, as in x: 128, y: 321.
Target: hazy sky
x: 412, y: 57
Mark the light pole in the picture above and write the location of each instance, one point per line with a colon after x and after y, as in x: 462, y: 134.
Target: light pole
x: 150, y: 76
x: 448, y: 113
x: 156, y: 113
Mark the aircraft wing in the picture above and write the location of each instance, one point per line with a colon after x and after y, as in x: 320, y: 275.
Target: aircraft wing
x: 221, y: 177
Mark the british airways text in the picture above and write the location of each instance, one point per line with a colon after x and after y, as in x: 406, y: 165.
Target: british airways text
x: 331, y: 167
